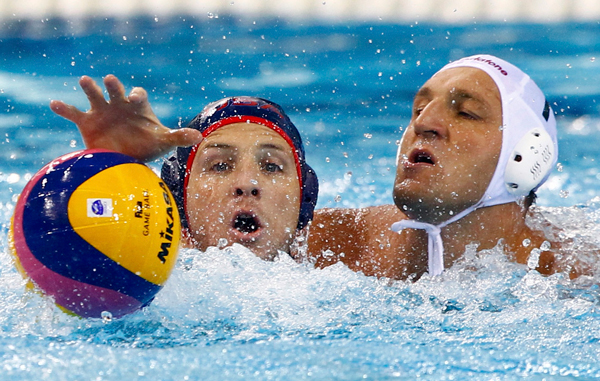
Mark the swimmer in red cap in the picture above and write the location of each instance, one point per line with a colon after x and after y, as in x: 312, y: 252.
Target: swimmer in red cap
x: 481, y: 140
x: 239, y: 175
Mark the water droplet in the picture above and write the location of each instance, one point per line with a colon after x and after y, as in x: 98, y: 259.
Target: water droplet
x: 73, y: 144
x: 559, y: 167
x: 210, y: 15
x: 526, y: 242
x: 545, y: 246
x: 338, y: 198
x: 253, y: 182
x: 13, y: 178
x: 327, y: 160
x: 106, y: 316
x: 328, y: 254
x: 368, y: 136
x: 593, y: 59
x: 564, y: 194
x: 222, y: 243
x: 534, y: 259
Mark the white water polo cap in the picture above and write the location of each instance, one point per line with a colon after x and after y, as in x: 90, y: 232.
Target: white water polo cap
x: 529, y: 146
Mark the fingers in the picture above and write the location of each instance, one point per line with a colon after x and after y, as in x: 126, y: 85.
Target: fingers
x: 116, y: 90
x: 184, y: 137
x: 138, y: 95
x: 66, y: 111
x: 92, y: 91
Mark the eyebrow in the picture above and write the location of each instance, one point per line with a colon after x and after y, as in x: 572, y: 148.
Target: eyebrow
x: 465, y: 95
x: 218, y: 145
x: 423, y: 92
x: 456, y: 93
x: 276, y: 147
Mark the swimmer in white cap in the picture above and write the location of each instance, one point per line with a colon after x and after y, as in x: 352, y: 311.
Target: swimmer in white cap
x: 481, y: 140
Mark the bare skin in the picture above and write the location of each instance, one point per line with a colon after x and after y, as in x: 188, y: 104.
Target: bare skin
x: 244, y: 188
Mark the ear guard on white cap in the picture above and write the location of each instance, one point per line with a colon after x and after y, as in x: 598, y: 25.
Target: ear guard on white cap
x: 530, y: 162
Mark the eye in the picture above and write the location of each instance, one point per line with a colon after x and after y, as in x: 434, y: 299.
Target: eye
x: 220, y: 167
x: 468, y: 115
x: 272, y: 167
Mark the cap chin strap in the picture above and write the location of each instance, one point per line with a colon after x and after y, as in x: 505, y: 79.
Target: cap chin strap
x: 435, y: 246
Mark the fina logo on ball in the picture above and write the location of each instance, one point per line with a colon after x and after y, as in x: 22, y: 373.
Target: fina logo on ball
x: 99, y: 207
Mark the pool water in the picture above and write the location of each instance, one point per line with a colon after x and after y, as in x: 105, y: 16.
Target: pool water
x: 227, y: 315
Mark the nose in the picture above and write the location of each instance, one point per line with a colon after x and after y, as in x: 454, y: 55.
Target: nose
x: 246, y: 181
x: 431, y: 121
x: 240, y: 191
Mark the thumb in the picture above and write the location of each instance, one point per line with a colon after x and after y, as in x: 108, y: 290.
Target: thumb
x: 184, y: 137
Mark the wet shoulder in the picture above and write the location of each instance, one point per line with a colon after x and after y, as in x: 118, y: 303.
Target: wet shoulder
x: 360, y: 237
x: 362, y: 221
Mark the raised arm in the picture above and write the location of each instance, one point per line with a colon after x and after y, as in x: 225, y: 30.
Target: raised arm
x: 124, y: 124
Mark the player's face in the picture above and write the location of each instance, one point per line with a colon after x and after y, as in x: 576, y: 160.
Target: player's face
x: 243, y: 188
x: 450, y: 149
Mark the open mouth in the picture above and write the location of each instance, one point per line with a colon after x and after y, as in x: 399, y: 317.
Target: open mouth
x: 421, y: 156
x: 246, y: 223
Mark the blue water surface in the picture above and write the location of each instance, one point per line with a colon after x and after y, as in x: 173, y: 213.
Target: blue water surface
x: 227, y: 315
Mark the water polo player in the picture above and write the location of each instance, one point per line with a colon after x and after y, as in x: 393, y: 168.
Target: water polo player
x: 481, y: 140
x: 241, y: 179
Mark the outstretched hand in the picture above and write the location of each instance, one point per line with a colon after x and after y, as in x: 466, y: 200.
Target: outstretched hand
x: 124, y: 124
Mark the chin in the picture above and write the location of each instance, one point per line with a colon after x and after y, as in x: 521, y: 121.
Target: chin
x: 269, y: 252
x: 416, y: 207
x: 404, y: 198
